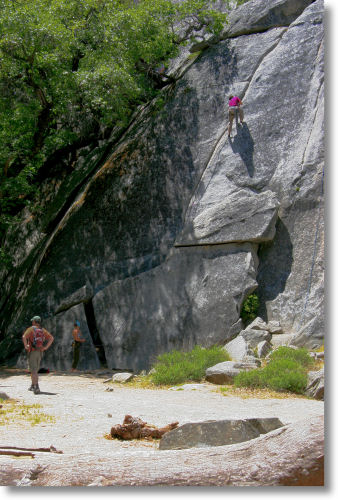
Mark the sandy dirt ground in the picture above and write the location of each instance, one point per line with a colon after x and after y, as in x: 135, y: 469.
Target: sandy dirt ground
x: 85, y: 408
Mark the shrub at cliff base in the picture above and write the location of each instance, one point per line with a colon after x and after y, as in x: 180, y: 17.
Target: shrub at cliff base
x: 177, y: 367
x: 300, y: 355
x: 286, y: 371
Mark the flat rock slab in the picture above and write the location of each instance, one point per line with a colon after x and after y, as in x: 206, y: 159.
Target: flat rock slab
x: 122, y: 377
x: 217, y: 433
x: 224, y: 373
x: 279, y: 339
x: 260, y: 16
x: 242, y: 216
x: 254, y: 337
x: 238, y: 348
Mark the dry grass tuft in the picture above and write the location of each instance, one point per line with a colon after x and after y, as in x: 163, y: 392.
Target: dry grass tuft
x: 258, y: 393
x: 142, y: 382
x: 13, y: 412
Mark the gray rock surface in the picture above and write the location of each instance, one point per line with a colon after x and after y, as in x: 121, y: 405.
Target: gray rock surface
x: 243, y: 216
x: 294, y: 294
x: 81, y: 295
x: 257, y: 324
x: 279, y: 339
x: 252, y: 360
x: 260, y: 16
x: 254, y: 337
x: 224, y: 373
x: 274, y: 327
x: 316, y: 384
x: 238, y: 348
x: 122, y: 378
x: 250, y: 208
x: 263, y: 348
x: 217, y: 433
x: 192, y: 298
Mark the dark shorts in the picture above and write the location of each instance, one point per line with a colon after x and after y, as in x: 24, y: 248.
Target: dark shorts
x: 76, y: 353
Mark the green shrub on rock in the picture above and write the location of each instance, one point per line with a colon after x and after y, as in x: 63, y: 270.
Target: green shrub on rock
x: 251, y: 378
x: 250, y: 308
x: 177, y: 367
x: 300, y: 355
x: 285, y: 375
x: 286, y: 371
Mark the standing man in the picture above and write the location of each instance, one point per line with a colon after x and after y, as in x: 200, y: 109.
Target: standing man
x: 78, y: 340
x: 34, y: 339
x: 234, y: 106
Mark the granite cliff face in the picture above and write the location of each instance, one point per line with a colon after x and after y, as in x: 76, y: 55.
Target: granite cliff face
x: 155, y: 239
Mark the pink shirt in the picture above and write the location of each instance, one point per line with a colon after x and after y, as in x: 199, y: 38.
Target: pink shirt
x: 234, y: 101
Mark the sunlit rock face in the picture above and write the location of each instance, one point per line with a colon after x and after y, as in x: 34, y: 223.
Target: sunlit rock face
x: 161, y: 235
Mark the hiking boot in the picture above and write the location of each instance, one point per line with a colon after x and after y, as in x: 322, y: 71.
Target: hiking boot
x: 36, y: 389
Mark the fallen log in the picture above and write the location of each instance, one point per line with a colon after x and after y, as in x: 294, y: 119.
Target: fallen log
x: 135, y: 428
x: 51, y: 449
x: 17, y: 453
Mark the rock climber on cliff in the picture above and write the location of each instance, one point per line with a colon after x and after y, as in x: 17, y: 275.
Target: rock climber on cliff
x: 34, y: 339
x: 234, y: 107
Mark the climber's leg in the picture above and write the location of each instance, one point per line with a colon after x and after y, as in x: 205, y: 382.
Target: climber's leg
x: 231, y: 119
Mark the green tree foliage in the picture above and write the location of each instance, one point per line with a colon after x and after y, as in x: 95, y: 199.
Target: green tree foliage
x: 250, y: 308
x: 70, y: 66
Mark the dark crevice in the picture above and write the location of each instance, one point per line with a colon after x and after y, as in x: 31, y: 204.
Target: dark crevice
x: 256, y: 31
x: 53, y: 223
x: 94, y: 332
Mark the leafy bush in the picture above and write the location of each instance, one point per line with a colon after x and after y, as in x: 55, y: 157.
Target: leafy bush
x: 285, y: 375
x: 300, y: 355
x: 281, y: 374
x: 177, y: 367
x: 251, y: 378
x: 250, y: 308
